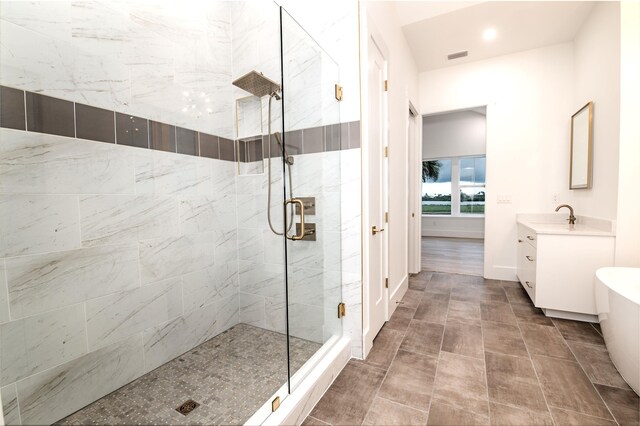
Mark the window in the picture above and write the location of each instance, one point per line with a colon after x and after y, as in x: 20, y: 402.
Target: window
x: 436, y: 191
x: 472, y: 171
x: 443, y: 177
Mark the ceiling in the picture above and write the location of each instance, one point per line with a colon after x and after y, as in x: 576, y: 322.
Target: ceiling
x: 437, y: 29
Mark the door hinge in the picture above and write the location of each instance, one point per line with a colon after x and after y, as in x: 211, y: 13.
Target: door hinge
x: 338, y: 92
x: 342, y: 310
x: 386, y: 283
x: 386, y: 217
x: 275, y: 404
x: 386, y: 151
x: 386, y: 85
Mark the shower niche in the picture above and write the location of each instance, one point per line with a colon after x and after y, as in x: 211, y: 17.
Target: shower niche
x: 249, y: 145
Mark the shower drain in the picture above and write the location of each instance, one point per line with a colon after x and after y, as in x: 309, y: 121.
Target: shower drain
x: 187, y: 407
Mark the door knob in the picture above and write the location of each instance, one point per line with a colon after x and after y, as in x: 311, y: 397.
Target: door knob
x: 375, y: 230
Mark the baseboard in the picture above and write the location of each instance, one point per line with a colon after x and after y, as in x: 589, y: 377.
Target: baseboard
x: 505, y: 273
x: 397, y: 295
x: 452, y: 234
x: 400, y: 290
x: 575, y: 316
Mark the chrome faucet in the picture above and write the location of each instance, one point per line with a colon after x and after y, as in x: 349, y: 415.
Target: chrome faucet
x: 572, y: 218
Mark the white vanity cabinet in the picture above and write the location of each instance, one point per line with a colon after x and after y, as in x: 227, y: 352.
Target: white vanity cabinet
x: 556, y: 266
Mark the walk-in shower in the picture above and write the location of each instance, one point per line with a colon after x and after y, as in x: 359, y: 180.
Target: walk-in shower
x: 160, y: 262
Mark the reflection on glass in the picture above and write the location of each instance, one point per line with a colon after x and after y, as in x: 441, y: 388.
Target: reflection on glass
x: 436, y: 187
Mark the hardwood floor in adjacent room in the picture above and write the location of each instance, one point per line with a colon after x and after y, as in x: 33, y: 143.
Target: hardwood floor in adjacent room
x: 453, y: 255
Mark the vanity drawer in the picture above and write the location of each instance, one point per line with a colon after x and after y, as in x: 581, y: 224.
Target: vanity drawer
x: 527, y: 235
x: 527, y: 268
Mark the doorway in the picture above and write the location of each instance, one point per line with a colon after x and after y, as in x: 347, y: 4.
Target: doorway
x: 453, y: 191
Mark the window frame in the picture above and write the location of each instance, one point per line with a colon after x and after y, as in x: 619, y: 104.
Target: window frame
x: 456, y: 187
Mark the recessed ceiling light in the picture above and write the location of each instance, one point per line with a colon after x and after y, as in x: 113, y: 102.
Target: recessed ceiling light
x: 489, y: 34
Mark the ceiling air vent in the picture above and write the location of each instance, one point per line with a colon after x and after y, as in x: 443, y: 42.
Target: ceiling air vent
x: 458, y: 55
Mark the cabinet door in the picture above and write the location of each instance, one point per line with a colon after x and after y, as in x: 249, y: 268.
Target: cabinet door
x: 526, y: 267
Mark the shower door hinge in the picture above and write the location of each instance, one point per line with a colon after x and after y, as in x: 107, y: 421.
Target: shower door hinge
x: 338, y: 92
x: 386, y: 151
x: 386, y: 283
x: 386, y: 217
x: 386, y: 85
x: 275, y: 404
x: 342, y: 310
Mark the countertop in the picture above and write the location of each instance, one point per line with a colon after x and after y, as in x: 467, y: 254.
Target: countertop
x: 556, y: 224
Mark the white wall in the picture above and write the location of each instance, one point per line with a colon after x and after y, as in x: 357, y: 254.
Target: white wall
x: 454, y: 134
x: 628, y: 226
x: 403, y: 87
x: 529, y: 102
x: 597, y: 79
x: 454, y: 227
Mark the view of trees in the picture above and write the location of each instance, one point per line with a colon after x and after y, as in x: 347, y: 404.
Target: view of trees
x: 446, y: 197
x: 431, y: 170
x: 476, y: 197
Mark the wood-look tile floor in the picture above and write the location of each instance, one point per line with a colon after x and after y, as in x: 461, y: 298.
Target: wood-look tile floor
x: 454, y: 255
x: 462, y: 350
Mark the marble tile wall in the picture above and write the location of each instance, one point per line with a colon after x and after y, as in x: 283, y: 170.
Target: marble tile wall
x: 317, y: 270
x: 100, y: 284
x: 162, y: 61
x: 351, y: 254
x: 116, y: 259
x: 169, y: 259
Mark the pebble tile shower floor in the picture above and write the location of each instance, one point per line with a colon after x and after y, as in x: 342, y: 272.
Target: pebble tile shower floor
x: 230, y: 376
x: 462, y: 350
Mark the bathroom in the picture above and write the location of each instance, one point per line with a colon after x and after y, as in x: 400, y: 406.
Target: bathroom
x: 208, y: 208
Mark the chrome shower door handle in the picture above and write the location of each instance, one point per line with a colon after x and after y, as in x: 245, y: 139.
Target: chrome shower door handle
x: 301, y: 205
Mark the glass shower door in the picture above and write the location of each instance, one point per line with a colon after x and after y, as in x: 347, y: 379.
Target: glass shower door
x: 311, y: 123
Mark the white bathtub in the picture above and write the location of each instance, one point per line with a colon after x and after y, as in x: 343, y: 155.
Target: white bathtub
x: 618, y: 307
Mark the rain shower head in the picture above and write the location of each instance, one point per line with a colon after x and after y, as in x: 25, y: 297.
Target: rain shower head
x: 257, y: 84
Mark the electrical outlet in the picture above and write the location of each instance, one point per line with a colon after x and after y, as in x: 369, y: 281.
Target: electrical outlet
x: 504, y: 199
x: 555, y: 198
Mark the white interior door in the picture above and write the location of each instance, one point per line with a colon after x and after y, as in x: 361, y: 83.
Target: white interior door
x: 377, y: 199
x: 414, y: 145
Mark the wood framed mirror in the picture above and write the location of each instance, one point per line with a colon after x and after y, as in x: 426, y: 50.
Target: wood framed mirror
x: 581, y: 163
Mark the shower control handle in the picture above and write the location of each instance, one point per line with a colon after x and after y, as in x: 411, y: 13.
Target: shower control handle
x: 300, y: 204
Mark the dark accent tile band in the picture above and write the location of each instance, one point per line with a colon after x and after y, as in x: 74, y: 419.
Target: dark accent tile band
x: 132, y: 131
x: 209, y: 146
x: 187, y: 141
x: 227, y: 149
x: 50, y: 115
x: 22, y: 110
x: 12, y: 108
x: 162, y: 137
x: 95, y: 124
